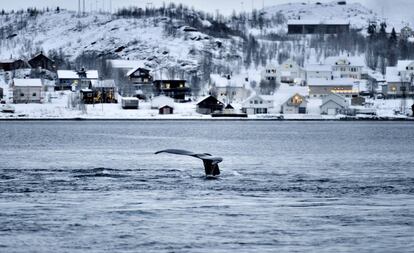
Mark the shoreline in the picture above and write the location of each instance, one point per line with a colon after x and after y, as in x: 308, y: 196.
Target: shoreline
x: 74, y: 119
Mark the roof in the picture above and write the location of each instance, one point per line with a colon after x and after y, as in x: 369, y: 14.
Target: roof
x: 222, y: 81
x: 317, y: 22
x: 125, y: 64
x: 402, y: 65
x: 103, y: 83
x: 358, y: 61
x: 229, y: 107
x: 392, y: 75
x: 318, y: 68
x: 210, y: 99
x: 329, y: 82
x: 27, y: 82
x: 296, y: 94
x: 336, y: 98
x: 70, y: 74
x: 161, y: 101
x: 132, y: 71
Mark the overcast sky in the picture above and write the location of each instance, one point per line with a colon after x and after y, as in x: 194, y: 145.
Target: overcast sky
x: 390, y: 8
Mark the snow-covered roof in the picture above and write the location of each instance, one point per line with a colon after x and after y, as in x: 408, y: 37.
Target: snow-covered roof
x: 336, y: 98
x: 318, y: 68
x: 70, y: 74
x: 125, y: 64
x: 358, y: 61
x: 27, y: 82
x: 329, y: 82
x: 402, y: 65
x: 318, y: 22
x: 162, y: 100
x: 141, y: 66
x: 103, y: 83
x: 67, y: 74
x: 392, y: 75
x: 235, y: 81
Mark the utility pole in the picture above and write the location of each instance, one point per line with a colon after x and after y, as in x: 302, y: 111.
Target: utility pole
x: 84, y: 10
x: 79, y: 8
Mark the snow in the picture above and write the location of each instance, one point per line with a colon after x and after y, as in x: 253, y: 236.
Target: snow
x: 161, y: 101
x: 318, y: 68
x: 392, y: 75
x: 403, y: 64
x: 70, y: 74
x: 222, y: 81
x: 27, y: 82
x: 358, y: 61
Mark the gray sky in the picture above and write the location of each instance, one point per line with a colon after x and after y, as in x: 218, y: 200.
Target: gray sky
x: 390, y: 8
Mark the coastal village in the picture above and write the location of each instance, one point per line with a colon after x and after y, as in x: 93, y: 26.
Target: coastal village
x: 334, y: 87
x: 341, y: 86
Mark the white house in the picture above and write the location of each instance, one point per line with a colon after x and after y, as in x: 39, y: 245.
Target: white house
x: 296, y: 104
x: 346, y: 67
x: 257, y: 104
x: 230, y: 88
x: 290, y: 72
x: 400, y: 79
x: 270, y: 73
x: 334, y: 104
x: 27, y: 91
x: 318, y: 71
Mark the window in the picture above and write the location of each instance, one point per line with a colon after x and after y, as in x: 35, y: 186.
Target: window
x: 22, y: 94
x: 34, y: 94
x: 255, y: 102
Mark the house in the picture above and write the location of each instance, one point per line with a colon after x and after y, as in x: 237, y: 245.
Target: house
x: 346, y: 66
x: 12, y: 64
x: 290, y: 72
x: 270, y: 73
x: 160, y: 101
x: 209, y: 105
x: 175, y: 89
x: 318, y: 26
x: 87, y: 96
x: 166, y: 110
x: 129, y: 103
x: 71, y: 80
x: 318, y: 71
x: 400, y: 80
x: 230, y: 88
x: 141, y: 78
x: 40, y: 61
x: 27, y: 91
x: 257, y: 104
x: 104, y: 91
x: 319, y: 87
x: 334, y: 104
x: 295, y: 105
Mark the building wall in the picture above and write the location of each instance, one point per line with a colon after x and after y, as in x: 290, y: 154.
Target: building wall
x: 395, y: 89
x: 237, y: 94
x: 322, y: 91
x: 330, y: 105
x: 319, y: 74
x: 27, y: 95
x: 346, y: 71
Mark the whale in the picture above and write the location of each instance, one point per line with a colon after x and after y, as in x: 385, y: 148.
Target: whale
x: 210, y: 162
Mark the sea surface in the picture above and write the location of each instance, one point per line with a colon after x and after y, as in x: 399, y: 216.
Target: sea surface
x: 285, y: 187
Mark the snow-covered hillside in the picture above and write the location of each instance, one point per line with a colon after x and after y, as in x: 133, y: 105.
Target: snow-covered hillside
x: 126, y: 38
x: 357, y: 14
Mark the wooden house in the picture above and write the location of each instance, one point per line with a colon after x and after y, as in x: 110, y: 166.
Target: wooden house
x: 346, y: 66
x: 175, y: 89
x: 160, y: 101
x: 12, y: 64
x: 166, y: 110
x: 295, y: 105
x: 257, y: 104
x: 334, y: 104
x: 400, y: 80
x: 40, y: 61
x: 209, y: 105
x: 1, y: 93
x: 140, y: 76
x: 104, y: 91
x: 87, y: 96
x: 27, y: 91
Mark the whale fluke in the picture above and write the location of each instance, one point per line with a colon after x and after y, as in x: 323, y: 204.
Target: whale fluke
x: 210, y: 162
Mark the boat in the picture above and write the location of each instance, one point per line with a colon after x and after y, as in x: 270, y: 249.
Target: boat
x: 7, y: 108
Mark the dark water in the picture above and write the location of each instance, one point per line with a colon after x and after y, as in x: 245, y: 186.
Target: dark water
x: 285, y: 187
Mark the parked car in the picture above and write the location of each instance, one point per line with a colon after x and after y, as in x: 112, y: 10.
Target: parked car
x: 7, y: 108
